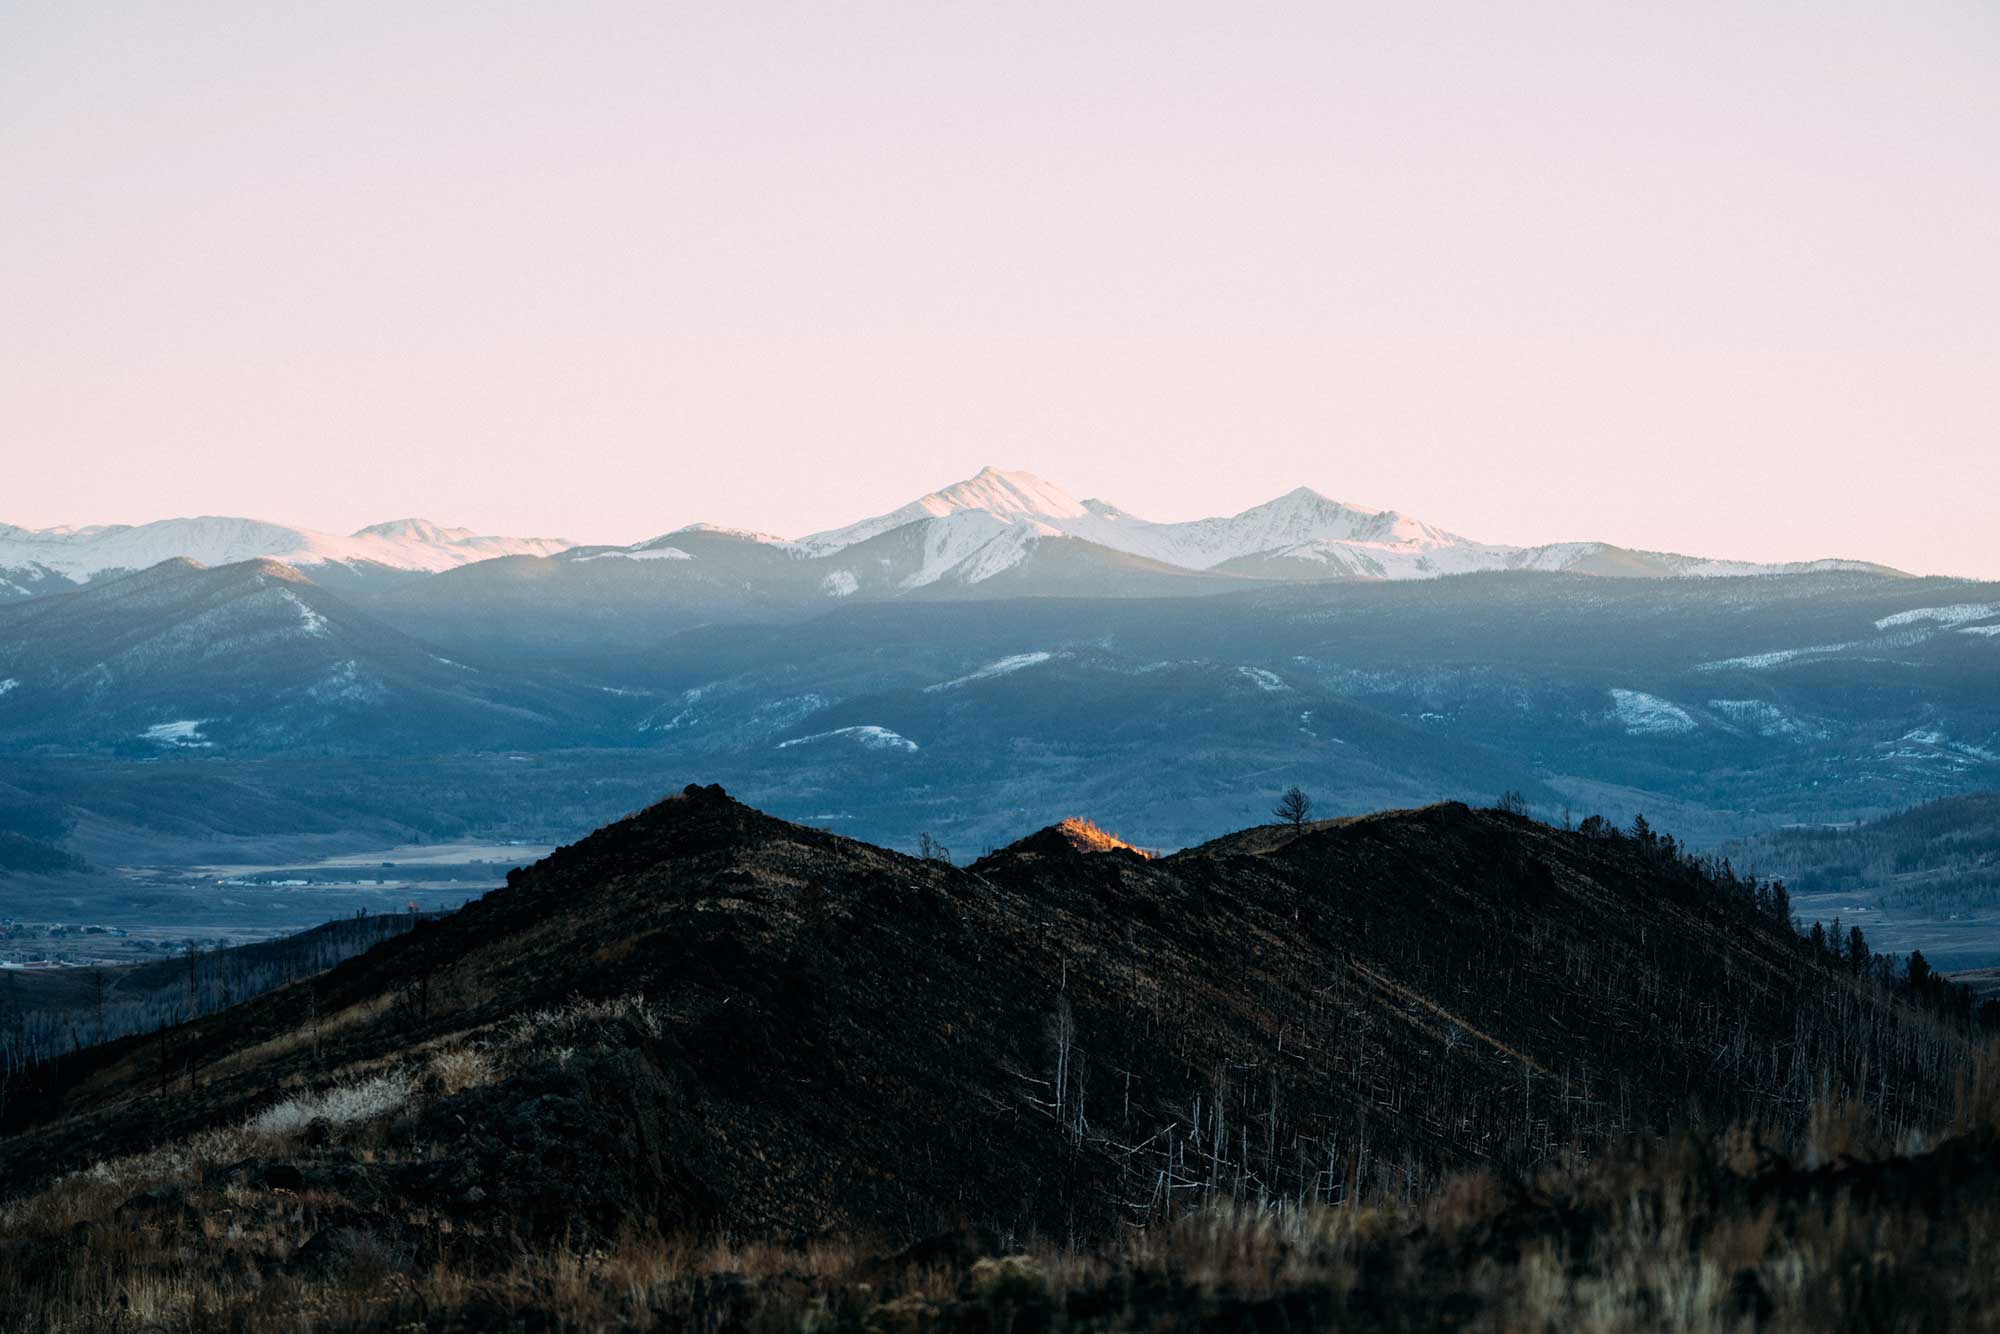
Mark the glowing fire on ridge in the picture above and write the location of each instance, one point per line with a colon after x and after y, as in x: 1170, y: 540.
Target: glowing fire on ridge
x: 1085, y: 836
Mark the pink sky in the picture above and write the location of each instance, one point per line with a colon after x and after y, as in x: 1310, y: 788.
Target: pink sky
x: 1704, y: 277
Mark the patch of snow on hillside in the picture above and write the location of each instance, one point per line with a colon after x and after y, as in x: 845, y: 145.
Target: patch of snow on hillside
x: 1956, y: 614
x: 183, y: 732
x: 1765, y: 719
x: 867, y: 735
x: 1924, y: 743
x: 1262, y: 679
x: 971, y: 546
x: 8, y: 685
x: 345, y: 681
x: 1000, y: 668
x: 840, y: 584
x: 310, y: 621
x: 782, y: 713
x: 1988, y: 630
x: 1003, y: 553
x: 651, y: 553
x: 1775, y: 658
x: 949, y: 540
x: 1649, y: 715
x: 687, y: 716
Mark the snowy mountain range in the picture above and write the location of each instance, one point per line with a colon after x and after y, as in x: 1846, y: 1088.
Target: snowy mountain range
x: 988, y: 651
x: 1010, y: 530
x: 47, y: 559
x: 994, y: 521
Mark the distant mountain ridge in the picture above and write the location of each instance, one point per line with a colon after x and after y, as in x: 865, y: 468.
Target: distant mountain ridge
x: 48, y: 559
x: 996, y: 523
x: 187, y: 658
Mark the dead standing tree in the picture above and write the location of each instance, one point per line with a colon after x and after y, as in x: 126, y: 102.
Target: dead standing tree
x: 1294, y: 807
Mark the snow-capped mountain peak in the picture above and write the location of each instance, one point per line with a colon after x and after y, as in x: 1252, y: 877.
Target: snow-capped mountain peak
x: 1304, y: 515
x: 416, y: 530
x: 721, y: 530
x: 1298, y: 519
x: 1011, y: 497
x: 1005, y: 495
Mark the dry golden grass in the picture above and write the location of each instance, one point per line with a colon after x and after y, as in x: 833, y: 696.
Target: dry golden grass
x: 1657, y: 1261
x: 1683, y: 1236
x: 459, y: 1068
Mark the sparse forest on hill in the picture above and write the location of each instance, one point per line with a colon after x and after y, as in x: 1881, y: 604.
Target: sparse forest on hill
x: 1940, y: 857
x: 705, y: 1066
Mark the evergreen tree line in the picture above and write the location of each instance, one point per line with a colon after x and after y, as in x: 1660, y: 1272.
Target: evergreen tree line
x: 199, y: 983
x: 1769, y: 901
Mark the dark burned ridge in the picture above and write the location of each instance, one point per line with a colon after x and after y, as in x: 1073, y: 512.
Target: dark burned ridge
x: 836, y: 1036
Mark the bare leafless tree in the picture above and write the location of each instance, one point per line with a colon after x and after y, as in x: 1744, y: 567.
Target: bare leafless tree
x: 1294, y: 807
x: 1060, y: 1028
x: 97, y: 999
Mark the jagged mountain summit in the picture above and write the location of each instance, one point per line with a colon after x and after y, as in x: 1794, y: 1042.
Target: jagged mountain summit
x: 1299, y: 517
x: 49, y: 559
x: 1301, y: 535
x: 1010, y: 497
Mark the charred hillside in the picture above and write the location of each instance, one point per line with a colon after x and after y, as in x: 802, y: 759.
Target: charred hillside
x: 705, y: 1018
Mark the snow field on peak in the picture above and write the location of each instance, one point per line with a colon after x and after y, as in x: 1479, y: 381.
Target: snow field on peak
x: 972, y: 544
x: 650, y: 553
